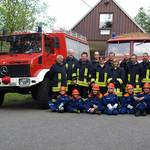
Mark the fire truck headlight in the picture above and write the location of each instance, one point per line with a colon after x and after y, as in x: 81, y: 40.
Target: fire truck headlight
x: 24, y: 82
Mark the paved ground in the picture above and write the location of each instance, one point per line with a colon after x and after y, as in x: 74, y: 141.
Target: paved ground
x: 25, y: 127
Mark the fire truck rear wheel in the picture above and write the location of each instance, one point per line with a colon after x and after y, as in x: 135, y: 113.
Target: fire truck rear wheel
x: 43, y: 93
x: 2, y: 95
x: 34, y: 92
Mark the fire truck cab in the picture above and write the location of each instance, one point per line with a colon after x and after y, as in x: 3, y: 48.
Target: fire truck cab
x: 132, y: 43
x: 26, y: 58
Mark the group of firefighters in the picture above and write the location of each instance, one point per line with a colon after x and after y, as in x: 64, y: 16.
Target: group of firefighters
x: 100, y: 86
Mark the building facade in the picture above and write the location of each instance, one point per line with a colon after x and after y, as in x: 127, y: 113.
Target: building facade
x: 105, y: 20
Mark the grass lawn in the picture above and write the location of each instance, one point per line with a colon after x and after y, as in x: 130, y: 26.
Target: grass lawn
x: 16, y: 98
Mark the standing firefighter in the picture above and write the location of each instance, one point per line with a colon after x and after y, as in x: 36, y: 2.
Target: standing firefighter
x: 143, y: 101
x: 134, y: 74
x: 71, y: 70
x: 76, y: 103
x: 116, y: 75
x: 110, y: 101
x: 84, y: 71
x: 127, y: 101
x: 61, y: 102
x: 100, y: 75
x: 57, y: 76
x: 95, y: 61
x: 145, y: 69
x: 111, y: 57
x: 94, y: 102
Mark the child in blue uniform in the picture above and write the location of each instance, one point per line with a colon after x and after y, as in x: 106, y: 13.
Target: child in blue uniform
x: 62, y: 100
x: 127, y: 101
x: 110, y: 100
x: 94, y: 102
x: 143, y: 101
x: 76, y: 103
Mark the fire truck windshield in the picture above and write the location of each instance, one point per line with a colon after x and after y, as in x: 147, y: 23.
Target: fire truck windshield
x: 22, y: 43
x: 141, y: 47
x: 119, y: 48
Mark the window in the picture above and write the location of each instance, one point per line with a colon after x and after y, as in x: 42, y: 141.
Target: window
x: 26, y: 43
x: 105, y: 23
x: 141, y: 47
x: 77, y: 46
x: 119, y: 49
x: 49, y: 45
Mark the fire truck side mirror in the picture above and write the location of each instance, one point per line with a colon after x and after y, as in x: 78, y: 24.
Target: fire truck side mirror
x: 56, y: 42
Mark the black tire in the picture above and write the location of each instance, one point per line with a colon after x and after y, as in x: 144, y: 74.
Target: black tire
x: 2, y: 95
x: 43, y: 93
x: 34, y: 91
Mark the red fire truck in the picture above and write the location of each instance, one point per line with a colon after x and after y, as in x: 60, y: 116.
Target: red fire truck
x: 25, y: 60
x: 132, y: 43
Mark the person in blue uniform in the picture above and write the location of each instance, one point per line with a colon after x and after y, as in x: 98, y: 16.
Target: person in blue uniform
x: 61, y: 102
x: 116, y: 75
x: 93, y: 104
x: 100, y: 75
x: 57, y: 76
x: 75, y: 104
x: 145, y: 69
x: 134, y: 74
x: 71, y: 64
x: 110, y: 100
x: 84, y: 73
x: 143, y: 101
x: 127, y: 101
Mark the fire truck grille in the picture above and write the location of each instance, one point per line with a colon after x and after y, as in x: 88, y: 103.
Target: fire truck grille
x: 15, y: 70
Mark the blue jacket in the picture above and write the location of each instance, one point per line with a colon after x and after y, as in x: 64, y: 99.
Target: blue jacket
x: 55, y: 71
x: 62, y: 99
x: 81, y: 67
x: 75, y: 104
x: 71, y: 68
x: 94, y: 100
x: 132, y: 71
x: 146, y: 97
x: 127, y: 100
x: 110, y: 98
x: 144, y: 67
x: 116, y: 73
x: 101, y: 72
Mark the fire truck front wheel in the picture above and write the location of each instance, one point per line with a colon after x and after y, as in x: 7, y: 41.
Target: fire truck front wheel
x: 1, y: 98
x: 43, y: 93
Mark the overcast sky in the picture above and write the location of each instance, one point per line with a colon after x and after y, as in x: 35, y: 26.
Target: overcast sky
x: 69, y: 12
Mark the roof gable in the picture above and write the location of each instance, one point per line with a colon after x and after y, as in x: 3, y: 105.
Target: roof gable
x: 99, y: 2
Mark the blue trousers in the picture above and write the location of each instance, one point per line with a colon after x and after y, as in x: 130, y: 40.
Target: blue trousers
x: 125, y: 110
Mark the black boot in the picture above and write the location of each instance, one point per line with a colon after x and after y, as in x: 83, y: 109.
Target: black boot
x: 138, y: 113
x: 144, y: 113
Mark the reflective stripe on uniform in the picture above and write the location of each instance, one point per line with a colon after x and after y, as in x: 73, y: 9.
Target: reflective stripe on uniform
x: 137, y: 78
x: 82, y: 83
x: 73, y: 66
x: 74, y: 75
x: 118, y: 92
x: 85, y: 72
x: 147, y: 79
x: 59, y: 76
x: 137, y: 89
x: 66, y: 66
x: 55, y: 89
x: 53, y: 100
x: 69, y: 82
x: 101, y: 84
x: 147, y: 73
x: 105, y: 77
x: 129, y: 77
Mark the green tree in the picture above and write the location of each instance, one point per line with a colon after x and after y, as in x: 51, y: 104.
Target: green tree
x: 143, y: 19
x: 22, y: 15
